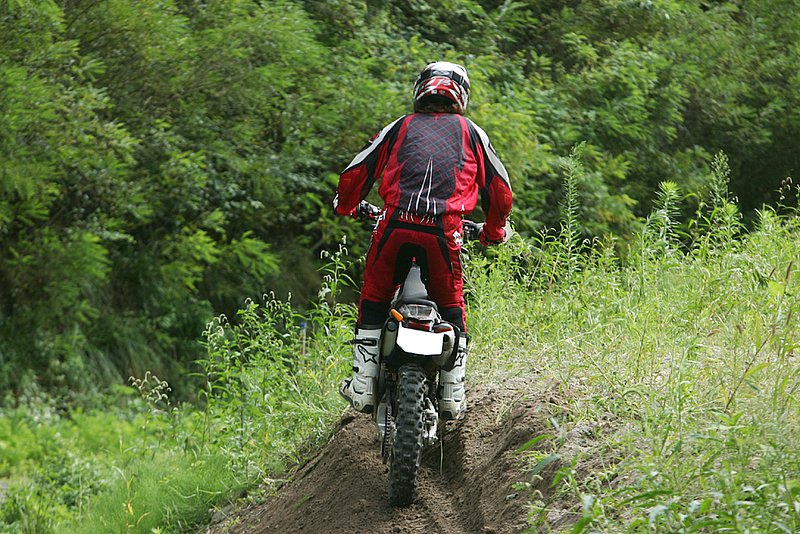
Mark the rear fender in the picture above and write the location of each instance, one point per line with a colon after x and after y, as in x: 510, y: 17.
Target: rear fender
x: 410, y: 347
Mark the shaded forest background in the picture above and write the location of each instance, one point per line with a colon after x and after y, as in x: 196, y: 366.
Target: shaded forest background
x: 163, y: 160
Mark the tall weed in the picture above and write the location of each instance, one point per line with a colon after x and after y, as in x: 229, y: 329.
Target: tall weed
x: 678, y: 370
x: 270, y: 377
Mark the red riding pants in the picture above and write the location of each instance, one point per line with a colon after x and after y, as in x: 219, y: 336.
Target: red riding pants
x: 434, y: 243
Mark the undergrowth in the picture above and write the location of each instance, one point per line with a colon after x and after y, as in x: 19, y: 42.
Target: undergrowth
x: 145, y: 464
x: 676, y: 364
x: 673, y: 357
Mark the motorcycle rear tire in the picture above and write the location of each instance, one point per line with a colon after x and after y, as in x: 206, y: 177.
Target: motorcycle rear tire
x: 407, y: 446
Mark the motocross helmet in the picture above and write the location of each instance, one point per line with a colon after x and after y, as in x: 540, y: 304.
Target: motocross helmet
x: 443, y: 79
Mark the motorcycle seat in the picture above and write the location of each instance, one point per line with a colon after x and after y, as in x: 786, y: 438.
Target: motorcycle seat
x: 413, y: 290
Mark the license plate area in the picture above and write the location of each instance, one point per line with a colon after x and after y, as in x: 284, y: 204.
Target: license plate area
x: 419, y: 341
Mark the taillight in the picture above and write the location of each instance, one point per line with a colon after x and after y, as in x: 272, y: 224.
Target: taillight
x: 420, y: 325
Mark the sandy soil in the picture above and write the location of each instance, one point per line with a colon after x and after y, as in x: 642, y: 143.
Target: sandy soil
x: 465, y: 486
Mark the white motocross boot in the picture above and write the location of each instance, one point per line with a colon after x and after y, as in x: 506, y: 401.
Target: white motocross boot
x: 360, y: 389
x: 452, y: 397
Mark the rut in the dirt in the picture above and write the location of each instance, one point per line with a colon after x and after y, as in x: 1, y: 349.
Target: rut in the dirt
x: 344, y: 487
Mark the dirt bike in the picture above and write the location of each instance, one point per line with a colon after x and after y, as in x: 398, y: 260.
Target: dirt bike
x: 415, y: 344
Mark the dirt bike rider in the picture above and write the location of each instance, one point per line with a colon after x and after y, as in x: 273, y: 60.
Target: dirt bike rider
x: 433, y: 164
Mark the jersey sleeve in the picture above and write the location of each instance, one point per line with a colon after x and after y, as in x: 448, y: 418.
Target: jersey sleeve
x: 495, y: 187
x: 358, y: 177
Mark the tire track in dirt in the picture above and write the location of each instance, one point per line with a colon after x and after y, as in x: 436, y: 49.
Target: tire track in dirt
x: 343, y: 489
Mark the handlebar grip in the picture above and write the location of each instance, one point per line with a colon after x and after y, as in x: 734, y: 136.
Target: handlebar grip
x: 472, y: 230
x: 367, y: 210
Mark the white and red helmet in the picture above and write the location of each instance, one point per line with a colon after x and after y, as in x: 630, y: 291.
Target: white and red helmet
x: 444, y: 79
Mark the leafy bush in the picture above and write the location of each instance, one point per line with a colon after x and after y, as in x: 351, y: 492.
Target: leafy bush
x: 162, y: 160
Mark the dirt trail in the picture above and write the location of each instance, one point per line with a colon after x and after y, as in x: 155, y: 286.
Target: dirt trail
x: 343, y: 489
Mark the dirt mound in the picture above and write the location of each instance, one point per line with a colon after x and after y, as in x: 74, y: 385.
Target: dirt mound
x: 464, y: 486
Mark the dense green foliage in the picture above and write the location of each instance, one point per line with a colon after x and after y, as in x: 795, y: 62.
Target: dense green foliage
x: 162, y: 160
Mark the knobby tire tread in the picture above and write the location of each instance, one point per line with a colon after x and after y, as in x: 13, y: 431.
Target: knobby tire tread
x: 407, y: 447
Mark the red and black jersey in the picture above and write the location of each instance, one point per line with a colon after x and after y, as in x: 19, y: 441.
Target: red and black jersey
x: 431, y: 164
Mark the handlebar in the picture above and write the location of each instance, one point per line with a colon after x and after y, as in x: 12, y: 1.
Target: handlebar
x: 472, y: 230
x: 365, y: 210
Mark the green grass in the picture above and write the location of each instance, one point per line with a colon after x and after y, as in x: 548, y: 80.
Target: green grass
x: 678, y: 369
x: 171, y: 491
x: 52, y: 462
